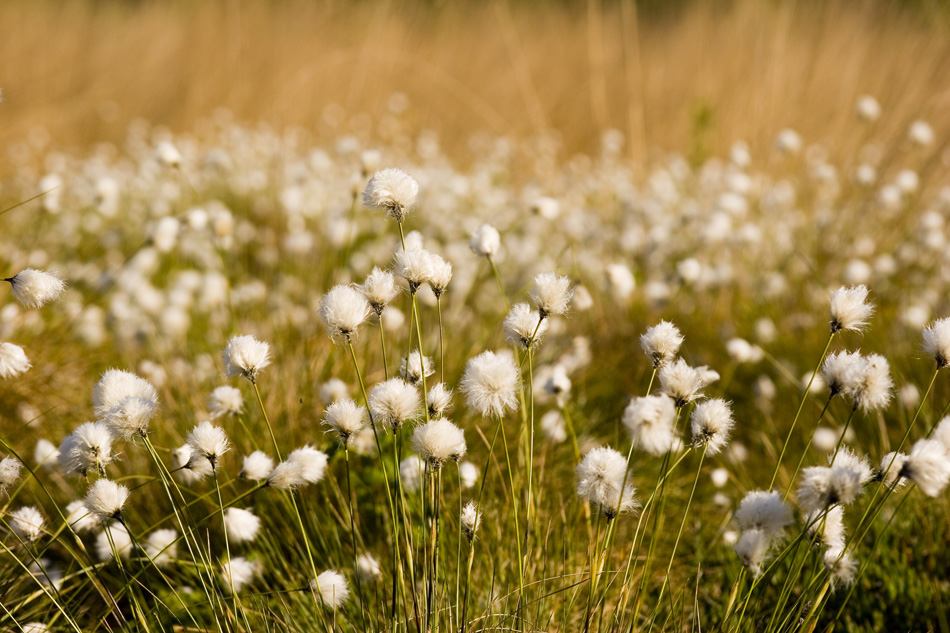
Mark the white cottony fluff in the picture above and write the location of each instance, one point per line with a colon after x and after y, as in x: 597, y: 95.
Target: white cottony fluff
x: 928, y: 466
x: 485, y: 241
x: 892, y: 465
x: 332, y: 589
x: 392, y: 190
x: 225, y: 400
x: 471, y: 518
x: 440, y: 275
x: 287, y: 476
x: 417, y: 367
x: 763, y: 511
x: 343, y: 310
x: 438, y: 441
x: 661, y: 343
x: 491, y: 384
x: 116, y: 386
x: 752, y: 548
x: 551, y: 294
x: 711, y: 423
x: 242, y: 525
x: 367, y: 568
x: 415, y: 266
x: 89, y: 447
x: 379, y: 289
x: 649, y: 420
x: 257, y: 466
x: 313, y: 463
x: 35, y: 288
x: 208, y: 441
x: 161, y: 546
x: 849, y: 308
x: 345, y: 418
x: 113, y: 539
x: 238, y: 572
x: 27, y: 523
x: 524, y: 326
x: 937, y: 341
x: 13, y: 361
x: 440, y: 400
x: 683, y: 383
x: 842, y: 372
x: 600, y: 480
x: 245, y: 356
x: 79, y: 518
x: 105, y: 499
x: 130, y: 418
x: 394, y: 402
x: 9, y: 472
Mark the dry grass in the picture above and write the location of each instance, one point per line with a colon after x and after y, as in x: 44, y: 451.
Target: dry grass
x: 83, y: 70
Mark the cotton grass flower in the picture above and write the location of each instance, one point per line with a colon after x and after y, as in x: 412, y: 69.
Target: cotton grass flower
x: 332, y: 589
x: 411, y: 471
x: 13, y: 361
x: 343, y: 309
x: 468, y: 473
x: 711, y: 423
x: 345, y: 418
x: 683, y: 383
x: 649, y: 420
x: 551, y: 294
x: 105, y: 499
x: 661, y: 343
x: 850, y: 309
x: 394, y: 402
x: 242, y: 525
x: 380, y: 289
x: 485, y: 241
x: 116, y: 386
x: 393, y: 191
x: 892, y: 465
x: 238, y: 572
x: 27, y: 523
x: 600, y: 479
x: 440, y: 400
x: 491, y: 384
x: 937, y: 341
x: 841, y: 567
x: 257, y: 466
x: 471, y: 518
x: 287, y: 475
x: 843, y: 372
x: 368, y: 569
x: 438, y: 441
x: 89, y: 447
x: 225, y: 400
x: 440, y: 275
x: 928, y: 466
x: 245, y: 356
x: 820, y: 486
x: 416, y: 367
x: 208, y: 441
x: 524, y: 326
x: 35, y: 627
x: 763, y: 511
x: 875, y: 388
x: 189, y: 466
x: 113, y: 539
x: 79, y: 518
x: 752, y: 548
x: 161, y: 546
x: 131, y: 417
x: 35, y: 288
x: 417, y: 267
x: 9, y: 472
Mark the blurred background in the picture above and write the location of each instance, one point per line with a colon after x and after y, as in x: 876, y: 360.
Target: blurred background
x: 692, y: 76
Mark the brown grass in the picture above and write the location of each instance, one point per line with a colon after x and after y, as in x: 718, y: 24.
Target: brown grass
x: 83, y: 70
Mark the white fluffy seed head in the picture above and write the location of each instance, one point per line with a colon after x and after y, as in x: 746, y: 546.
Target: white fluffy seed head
x: 928, y: 466
x: 937, y: 341
x: 874, y: 390
x: 225, y: 400
x: 941, y: 432
x: 313, y: 463
x: 238, y: 572
x: 763, y: 511
x: 471, y: 518
x: 440, y: 276
x: 287, y: 476
x: 27, y: 523
x: 842, y: 372
x: 116, y: 386
x: 440, y: 400
x: 257, y: 466
x: 89, y: 447
x: 468, y: 472
x: 332, y: 589
x: 524, y: 326
x: 131, y: 417
x: 551, y: 294
x: 343, y: 310
x: 650, y: 422
x: 683, y: 383
x: 105, y: 499
x: 711, y: 424
x: 190, y: 466
x: 9, y: 472
x: 417, y: 367
x: 831, y: 526
x: 491, y: 383
x: 35, y: 288
x: 113, y: 539
x: 79, y: 518
x: 485, y: 241
x: 245, y: 356
x: 600, y: 479
x: 892, y: 465
x: 13, y: 361
x: 393, y: 191
x: 752, y: 548
x: 661, y: 343
x: 345, y: 418
x: 411, y: 471
x: 416, y: 266
x: 161, y: 546
x: 841, y: 566
x: 379, y: 289
x: 849, y: 308
x: 242, y: 525
x: 438, y: 441
x: 393, y: 403
x: 208, y: 441
x: 368, y: 569
x: 821, y: 486
x: 867, y: 108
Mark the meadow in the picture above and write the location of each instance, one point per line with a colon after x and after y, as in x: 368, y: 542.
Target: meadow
x: 410, y: 317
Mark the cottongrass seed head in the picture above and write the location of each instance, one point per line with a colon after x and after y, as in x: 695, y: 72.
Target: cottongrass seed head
x: 35, y: 288
x: 600, y: 480
x: 416, y: 367
x: 116, y: 386
x: 87, y: 448
x: 161, y: 546
x: 763, y: 511
x: 257, y: 466
x: 485, y: 241
x: 551, y: 294
x: 331, y: 588
x: 368, y: 569
x: 208, y: 441
x: 380, y: 289
x: 711, y: 424
x: 841, y: 567
x: 105, y: 499
x: 438, y: 441
x: 843, y: 372
x: 190, y: 466
x: 928, y: 466
x: 245, y: 356
x: 937, y: 341
x: 238, y: 572
x: 440, y: 400
x: 131, y: 417
x: 524, y: 326
x: 312, y: 462
x: 416, y: 266
x: 343, y: 310
x: 225, y: 400
x: 849, y: 309
x: 27, y: 523
x: 9, y: 472
x: 683, y: 383
x: 113, y: 539
x: 661, y: 343
x: 440, y: 275
x: 649, y: 419
x: 471, y: 518
x: 13, y: 361
x: 876, y: 388
x: 889, y: 472
x: 394, y: 402
x: 491, y: 384
x: 393, y: 191
x: 345, y: 418
x: 752, y: 548
x: 287, y: 476
x: 242, y: 525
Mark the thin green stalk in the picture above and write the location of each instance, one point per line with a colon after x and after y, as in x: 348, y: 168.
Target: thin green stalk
x: 382, y: 342
x: 227, y: 545
x: 352, y: 503
x: 501, y: 286
x: 801, y: 459
x: 438, y: 302
x: 514, y: 504
x: 270, y: 429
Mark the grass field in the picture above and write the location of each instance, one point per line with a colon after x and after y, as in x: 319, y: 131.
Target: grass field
x: 197, y: 172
